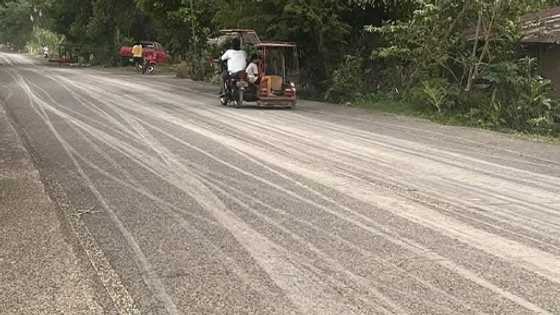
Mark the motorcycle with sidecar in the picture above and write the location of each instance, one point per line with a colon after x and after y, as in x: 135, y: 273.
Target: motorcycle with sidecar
x: 278, y: 74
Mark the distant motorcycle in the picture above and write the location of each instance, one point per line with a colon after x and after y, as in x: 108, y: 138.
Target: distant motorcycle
x: 150, y: 67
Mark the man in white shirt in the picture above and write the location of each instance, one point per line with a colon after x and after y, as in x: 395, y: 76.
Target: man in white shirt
x: 253, y: 70
x: 236, y: 60
x: 235, y: 57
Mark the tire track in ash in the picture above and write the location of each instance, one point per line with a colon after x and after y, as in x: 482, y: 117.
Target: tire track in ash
x: 66, y: 117
x: 173, y: 163
x: 340, y: 269
x: 433, y: 184
x: 116, y: 291
x: 40, y: 107
x: 431, y: 256
x: 188, y: 226
x: 550, y: 180
x: 349, y: 162
x: 272, y: 256
x: 228, y: 117
x: 182, y: 122
x: 446, y: 312
x: 543, y: 222
x: 374, y: 176
x: 287, y: 145
x: 350, y: 150
x: 414, y: 149
x: 306, y: 113
x: 429, y: 135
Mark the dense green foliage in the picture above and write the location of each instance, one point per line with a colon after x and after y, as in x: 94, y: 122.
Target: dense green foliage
x: 489, y: 80
x: 414, y: 51
x: 16, y: 24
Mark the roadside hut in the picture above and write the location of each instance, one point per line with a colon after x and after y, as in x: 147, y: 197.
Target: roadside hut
x: 541, y: 38
x: 540, y: 33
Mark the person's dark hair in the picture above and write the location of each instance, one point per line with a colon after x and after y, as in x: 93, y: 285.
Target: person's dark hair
x: 236, y: 44
x: 254, y: 57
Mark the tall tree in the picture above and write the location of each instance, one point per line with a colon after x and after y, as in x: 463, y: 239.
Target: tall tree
x: 16, y: 22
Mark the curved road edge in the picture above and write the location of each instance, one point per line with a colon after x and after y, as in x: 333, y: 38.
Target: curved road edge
x: 49, y: 263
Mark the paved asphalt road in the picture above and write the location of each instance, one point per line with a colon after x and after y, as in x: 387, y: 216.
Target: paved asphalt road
x: 185, y: 207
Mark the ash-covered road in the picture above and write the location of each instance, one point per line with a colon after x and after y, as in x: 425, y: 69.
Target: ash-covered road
x: 185, y: 207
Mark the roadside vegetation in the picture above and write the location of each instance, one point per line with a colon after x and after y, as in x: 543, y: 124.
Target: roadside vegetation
x: 452, y: 61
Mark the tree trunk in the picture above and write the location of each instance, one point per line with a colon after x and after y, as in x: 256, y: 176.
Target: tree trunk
x: 470, y: 79
x: 485, y: 50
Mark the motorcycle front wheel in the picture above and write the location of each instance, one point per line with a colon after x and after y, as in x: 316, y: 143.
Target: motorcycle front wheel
x: 151, y: 69
x: 224, y: 96
x: 223, y: 100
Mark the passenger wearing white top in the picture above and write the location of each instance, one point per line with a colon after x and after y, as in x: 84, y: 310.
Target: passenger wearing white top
x: 253, y: 70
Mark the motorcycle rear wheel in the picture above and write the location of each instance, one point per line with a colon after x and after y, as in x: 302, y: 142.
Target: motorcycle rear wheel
x: 239, y: 99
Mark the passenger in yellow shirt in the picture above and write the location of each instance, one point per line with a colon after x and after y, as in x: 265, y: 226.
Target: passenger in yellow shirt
x: 138, y: 54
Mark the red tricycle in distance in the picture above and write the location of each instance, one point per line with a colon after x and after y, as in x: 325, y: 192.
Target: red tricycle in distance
x: 154, y: 54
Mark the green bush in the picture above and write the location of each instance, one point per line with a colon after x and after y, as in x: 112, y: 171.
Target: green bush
x: 520, y: 99
x: 201, y: 68
x: 195, y: 68
x: 435, y: 93
x: 348, y: 81
x: 184, y: 70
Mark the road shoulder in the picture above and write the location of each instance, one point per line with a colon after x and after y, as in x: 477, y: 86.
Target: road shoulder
x: 40, y: 273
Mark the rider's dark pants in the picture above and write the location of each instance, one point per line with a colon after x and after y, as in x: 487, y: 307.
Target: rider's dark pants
x: 226, y: 76
x: 145, y: 66
x: 138, y: 61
